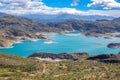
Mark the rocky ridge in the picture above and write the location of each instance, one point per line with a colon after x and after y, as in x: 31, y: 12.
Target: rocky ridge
x: 60, y: 56
x: 106, y: 58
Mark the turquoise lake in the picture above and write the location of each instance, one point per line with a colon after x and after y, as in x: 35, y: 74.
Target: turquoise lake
x: 72, y: 42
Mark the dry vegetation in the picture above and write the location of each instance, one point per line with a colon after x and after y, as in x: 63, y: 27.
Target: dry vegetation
x: 17, y: 68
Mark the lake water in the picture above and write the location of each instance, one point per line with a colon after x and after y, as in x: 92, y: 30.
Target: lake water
x: 73, y: 42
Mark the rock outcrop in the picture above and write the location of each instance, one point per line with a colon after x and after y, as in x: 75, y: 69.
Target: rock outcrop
x: 107, y: 58
x: 113, y: 45
x: 61, y: 56
x: 13, y: 29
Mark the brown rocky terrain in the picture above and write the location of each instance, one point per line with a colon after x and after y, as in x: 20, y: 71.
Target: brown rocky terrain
x: 13, y: 29
x: 60, y: 56
x: 113, y: 45
x: 107, y: 58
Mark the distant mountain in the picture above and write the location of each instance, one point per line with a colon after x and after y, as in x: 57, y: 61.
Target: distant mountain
x: 64, y: 17
x: 117, y: 19
x: 3, y: 14
x: 59, y: 17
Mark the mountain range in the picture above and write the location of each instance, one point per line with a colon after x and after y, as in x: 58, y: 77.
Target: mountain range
x: 60, y: 17
x: 63, y: 17
x: 3, y: 14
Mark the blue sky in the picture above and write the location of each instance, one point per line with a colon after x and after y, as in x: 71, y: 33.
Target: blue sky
x: 79, y: 7
x: 66, y: 3
x: 82, y: 4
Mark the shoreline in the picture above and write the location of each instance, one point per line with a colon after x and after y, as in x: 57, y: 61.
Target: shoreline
x: 51, y: 57
x: 20, y: 40
x: 103, y: 35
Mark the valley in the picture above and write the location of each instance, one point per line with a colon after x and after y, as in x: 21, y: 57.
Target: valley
x: 59, y: 39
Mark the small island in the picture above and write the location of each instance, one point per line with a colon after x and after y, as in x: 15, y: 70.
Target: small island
x: 106, y: 58
x: 113, y: 45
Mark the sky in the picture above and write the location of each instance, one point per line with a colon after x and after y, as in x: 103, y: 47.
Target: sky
x: 51, y: 7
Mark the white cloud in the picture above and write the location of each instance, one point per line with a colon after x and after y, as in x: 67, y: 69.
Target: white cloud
x: 21, y: 4
x: 50, y: 11
x: 33, y: 7
x: 14, y: 1
x: 1, y: 4
x: 21, y: 7
x: 74, y: 3
x: 114, y: 13
x: 106, y: 4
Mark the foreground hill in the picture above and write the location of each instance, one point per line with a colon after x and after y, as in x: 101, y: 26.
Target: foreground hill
x: 17, y: 68
x: 13, y: 29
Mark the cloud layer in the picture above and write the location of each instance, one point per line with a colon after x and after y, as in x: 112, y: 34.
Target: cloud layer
x: 106, y: 4
x: 21, y: 7
x: 31, y: 7
x: 22, y: 4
